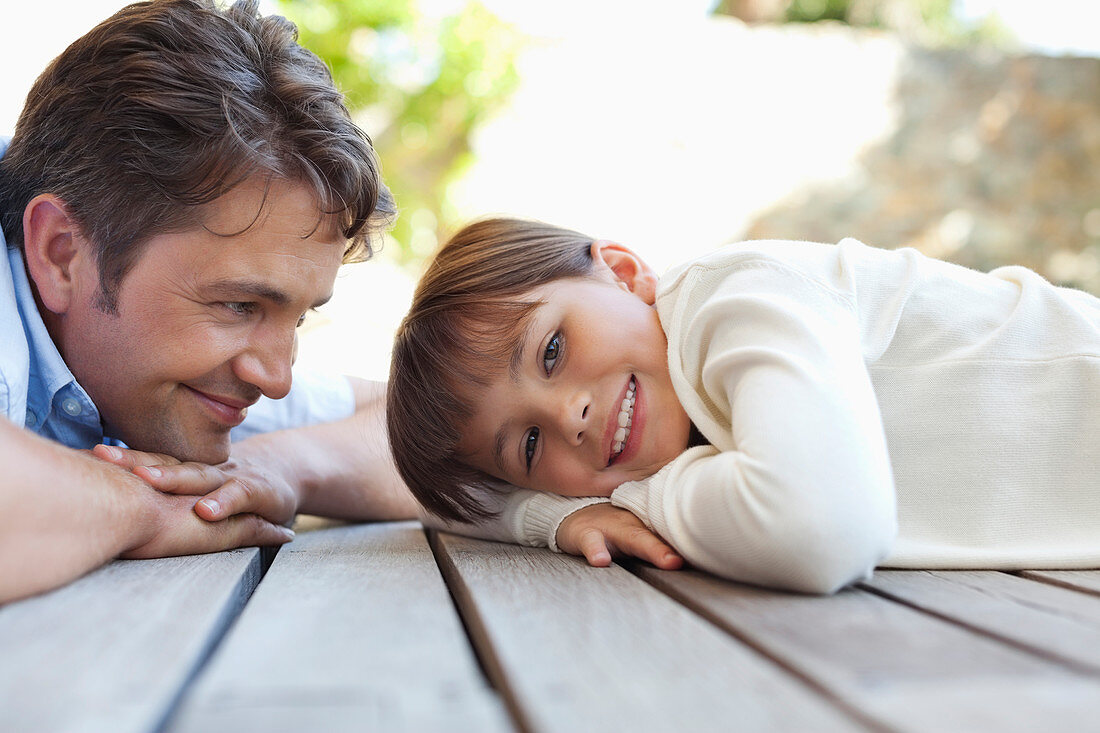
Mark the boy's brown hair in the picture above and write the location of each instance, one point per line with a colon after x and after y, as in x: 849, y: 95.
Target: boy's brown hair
x: 467, y: 312
x: 167, y: 105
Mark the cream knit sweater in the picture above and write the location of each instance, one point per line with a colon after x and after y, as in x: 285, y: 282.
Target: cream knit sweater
x: 868, y: 408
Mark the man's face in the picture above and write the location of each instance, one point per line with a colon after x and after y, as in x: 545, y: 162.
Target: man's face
x: 591, y: 405
x: 205, y: 322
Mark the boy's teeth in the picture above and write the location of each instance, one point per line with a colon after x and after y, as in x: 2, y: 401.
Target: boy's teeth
x: 626, y: 417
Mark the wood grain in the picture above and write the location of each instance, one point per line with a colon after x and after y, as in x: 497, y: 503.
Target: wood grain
x: 1048, y: 620
x: 1082, y: 580
x: 112, y: 651
x: 905, y: 669
x: 351, y: 629
x: 577, y: 648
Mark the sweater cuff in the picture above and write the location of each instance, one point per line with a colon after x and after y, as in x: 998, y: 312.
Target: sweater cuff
x: 536, y: 523
x: 634, y: 497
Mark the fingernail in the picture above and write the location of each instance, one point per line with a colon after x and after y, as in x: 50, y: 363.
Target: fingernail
x: 288, y: 532
x: 154, y: 472
x: 212, y: 505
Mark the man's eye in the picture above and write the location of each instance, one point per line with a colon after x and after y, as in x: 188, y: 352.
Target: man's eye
x: 552, y: 353
x: 241, y: 308
x: 530, y: 443
x: 305, y: 317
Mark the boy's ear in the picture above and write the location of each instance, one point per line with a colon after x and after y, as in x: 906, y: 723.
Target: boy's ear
x: 627, y: 268
x: 54, y: 249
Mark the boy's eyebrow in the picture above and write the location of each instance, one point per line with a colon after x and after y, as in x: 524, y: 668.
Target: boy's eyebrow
x: 498, y: 446
x: 515, y: 363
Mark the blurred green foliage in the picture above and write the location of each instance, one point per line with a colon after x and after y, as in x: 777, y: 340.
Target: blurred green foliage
x: 928, y: 22
x: 933, y: 22
x: 419, y: 83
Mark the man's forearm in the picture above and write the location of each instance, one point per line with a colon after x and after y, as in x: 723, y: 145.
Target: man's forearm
x: 341, y: 469
x: 63, y: 513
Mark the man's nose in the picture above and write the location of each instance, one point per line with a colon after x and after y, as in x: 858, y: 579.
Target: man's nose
x: 267, y: 361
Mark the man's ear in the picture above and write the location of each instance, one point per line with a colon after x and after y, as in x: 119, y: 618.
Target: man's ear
x: 627, y: 268
x: 54, y: 249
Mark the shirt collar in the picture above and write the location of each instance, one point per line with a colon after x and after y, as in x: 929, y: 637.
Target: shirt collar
x: 53, y: 393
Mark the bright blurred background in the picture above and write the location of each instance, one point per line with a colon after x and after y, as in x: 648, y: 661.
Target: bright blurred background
x: 970, y: 129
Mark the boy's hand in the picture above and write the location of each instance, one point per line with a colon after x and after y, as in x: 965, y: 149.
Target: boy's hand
x: 238, y: 486
x: 602, y: 531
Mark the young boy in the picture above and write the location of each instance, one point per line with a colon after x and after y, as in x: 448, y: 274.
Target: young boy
x: 854, y: 406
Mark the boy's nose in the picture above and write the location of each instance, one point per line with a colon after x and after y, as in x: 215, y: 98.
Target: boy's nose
x: 574, y: 414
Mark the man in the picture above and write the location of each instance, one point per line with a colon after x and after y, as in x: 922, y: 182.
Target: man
x: 180, y: 190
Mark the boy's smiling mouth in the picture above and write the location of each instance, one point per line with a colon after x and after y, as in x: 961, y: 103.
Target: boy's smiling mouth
x: 624, y: 421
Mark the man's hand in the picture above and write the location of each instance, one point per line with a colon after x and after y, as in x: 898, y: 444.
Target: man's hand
x: 230, y: 490
x: 64, y: 512
x: 177, y: 530
x: 602, y: 531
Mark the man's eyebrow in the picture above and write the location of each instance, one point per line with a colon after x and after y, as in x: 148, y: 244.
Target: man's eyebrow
x: 235, y: 287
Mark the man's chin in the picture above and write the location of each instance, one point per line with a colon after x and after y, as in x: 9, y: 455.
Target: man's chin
x: 211, y: 450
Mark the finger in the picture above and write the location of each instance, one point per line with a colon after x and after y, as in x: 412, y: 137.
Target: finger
x: 249, y: 530
x: 194, y: 479
x: 594, y: 548
x: 186, y: 538
x: 645, y: 545
x: 242, y: 497
x: 130, y: 459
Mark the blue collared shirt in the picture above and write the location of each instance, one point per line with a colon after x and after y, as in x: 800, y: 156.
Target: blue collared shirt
x: 37, y: 389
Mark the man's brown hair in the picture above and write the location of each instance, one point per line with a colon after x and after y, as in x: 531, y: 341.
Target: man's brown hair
x: 169, y: 104
x: 467, y: 312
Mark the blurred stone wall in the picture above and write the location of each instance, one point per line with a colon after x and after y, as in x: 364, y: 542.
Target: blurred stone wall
x: 994, y: 159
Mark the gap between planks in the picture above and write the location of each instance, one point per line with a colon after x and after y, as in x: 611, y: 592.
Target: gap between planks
x: 880, y: 656
x: 657, y: 581
x: 480, y: 642
x: 986, y: 626
x: 233, y: 610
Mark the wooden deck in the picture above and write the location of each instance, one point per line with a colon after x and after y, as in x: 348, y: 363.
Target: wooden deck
x: 382, y: 627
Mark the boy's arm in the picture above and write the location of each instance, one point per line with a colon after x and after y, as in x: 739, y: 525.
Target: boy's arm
x: 800, y: 494
x: 65, y: 513
x: 589, y: 526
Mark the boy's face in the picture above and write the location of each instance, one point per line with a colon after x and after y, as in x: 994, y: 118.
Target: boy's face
x: 593, y: 356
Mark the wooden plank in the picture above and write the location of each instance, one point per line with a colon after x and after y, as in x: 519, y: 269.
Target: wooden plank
x: 351, y: 629
x: 1049, y: 620
x: 1087, y: 581
x: 906, y: 669
x: 112, y: 651
x: 575, y: 648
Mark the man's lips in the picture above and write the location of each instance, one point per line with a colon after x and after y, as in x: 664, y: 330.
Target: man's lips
x: 229, y: 411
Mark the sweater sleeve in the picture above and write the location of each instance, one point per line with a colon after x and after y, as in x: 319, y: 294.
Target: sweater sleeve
x: 523, y: 517
x: 795, y: 491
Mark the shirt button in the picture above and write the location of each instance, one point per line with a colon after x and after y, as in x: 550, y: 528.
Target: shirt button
x: 32, y: 420
x: 71, y: 406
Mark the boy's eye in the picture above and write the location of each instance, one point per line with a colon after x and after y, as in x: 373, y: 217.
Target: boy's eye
x: 552, y: 353
x: 530, y: 443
